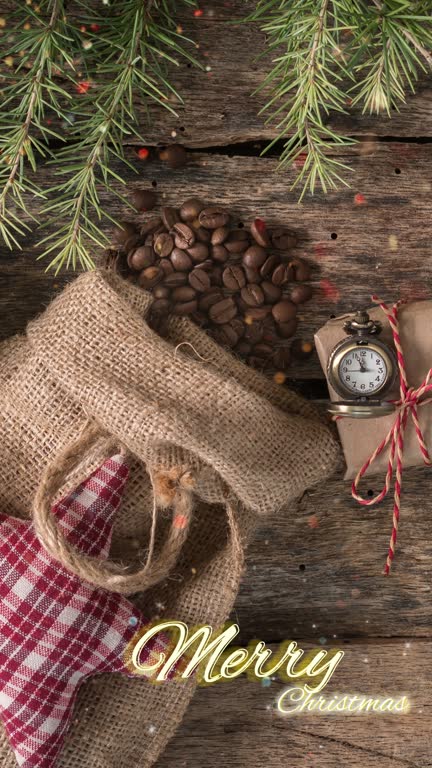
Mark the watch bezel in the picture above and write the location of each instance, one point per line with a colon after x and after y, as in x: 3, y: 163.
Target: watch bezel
x: 371, y: 342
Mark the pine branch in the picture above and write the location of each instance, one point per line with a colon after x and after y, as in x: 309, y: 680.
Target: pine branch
x: 305, y: 85
x: 23, y: 132
x: 393, y: 45
x: 318, y: 47
x: 134, y: 44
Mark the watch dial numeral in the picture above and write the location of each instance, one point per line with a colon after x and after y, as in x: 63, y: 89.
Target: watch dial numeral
x: 362, y: 371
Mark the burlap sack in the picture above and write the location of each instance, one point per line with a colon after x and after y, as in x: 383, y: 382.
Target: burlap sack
x: 247, y: 445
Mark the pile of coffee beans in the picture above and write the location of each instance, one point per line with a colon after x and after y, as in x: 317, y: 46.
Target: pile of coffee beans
x: 241, y: 286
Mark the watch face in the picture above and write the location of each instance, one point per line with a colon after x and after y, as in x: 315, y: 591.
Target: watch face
x: 363, y: 371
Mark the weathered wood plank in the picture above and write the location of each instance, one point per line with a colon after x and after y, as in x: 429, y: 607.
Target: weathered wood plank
x: 233, y: 724
x: 382, y: 245
x: 219, y: 107
x: 316, y: 570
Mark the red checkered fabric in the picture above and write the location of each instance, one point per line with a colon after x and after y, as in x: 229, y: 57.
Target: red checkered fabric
x: 56, y: 630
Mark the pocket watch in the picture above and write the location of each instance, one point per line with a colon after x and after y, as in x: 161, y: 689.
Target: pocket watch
x: 362, y: 369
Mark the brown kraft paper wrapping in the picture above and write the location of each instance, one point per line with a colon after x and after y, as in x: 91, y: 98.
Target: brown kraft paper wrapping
x: 360, y: 437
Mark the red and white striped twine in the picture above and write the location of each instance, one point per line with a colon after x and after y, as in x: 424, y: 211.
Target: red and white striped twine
x: 409, y: 401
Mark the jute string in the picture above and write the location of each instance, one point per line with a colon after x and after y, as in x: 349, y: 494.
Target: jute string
x: 171, y: 488
x: 409, y: 401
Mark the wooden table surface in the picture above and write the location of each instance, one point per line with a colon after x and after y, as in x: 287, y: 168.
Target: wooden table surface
x: 314, y: 574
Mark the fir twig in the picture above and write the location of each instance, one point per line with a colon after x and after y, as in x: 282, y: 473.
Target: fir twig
x: 305, y: 85
x: 319, y: 48
x: 392, y: 46
x: 134, y: 44
x: 23, y: 131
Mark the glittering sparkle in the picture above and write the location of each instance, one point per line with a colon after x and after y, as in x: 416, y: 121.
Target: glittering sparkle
x: 143, y: 153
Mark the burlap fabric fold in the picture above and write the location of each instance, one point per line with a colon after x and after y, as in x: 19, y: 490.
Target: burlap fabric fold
x: 181, y: 406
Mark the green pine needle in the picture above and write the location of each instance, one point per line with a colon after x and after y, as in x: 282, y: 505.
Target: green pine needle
x: 328, y: 54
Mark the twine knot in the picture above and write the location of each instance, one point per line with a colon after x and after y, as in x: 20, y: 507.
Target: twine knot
x: 411, y: 398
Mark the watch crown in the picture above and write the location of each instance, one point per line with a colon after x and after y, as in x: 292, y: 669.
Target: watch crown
x: 362, y: 324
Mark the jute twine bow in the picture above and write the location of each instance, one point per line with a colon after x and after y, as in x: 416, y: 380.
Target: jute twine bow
x: 172, y: 487
x: 409, y: 401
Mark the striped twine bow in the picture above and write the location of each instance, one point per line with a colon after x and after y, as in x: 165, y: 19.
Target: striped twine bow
x: 409, y: 401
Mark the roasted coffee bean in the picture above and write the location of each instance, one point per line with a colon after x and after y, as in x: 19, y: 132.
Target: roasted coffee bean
x: 161, y: 306
x: 140, y: 258
x: 258, y: 313
x: 283, y: 239
x: 223, y: 311
x: 202, y: 235
x: 183, y: 293
x: 301, y: 270
x: 238, y: 325
x: 238, y: 234
x: 286, y: 330
x: 269, y: 266
x: 269, y: 328
x: 166, y: 267
x: 163, y: 245
x: 199, y: 252
x: 234, y: 278
x: 219, y: 235
x: 219, y: 253
x: 143, y: 199
x: 216, y: 276
x: 254, y: 257
x: 191, y: 209
x: 185, y: 307
x: 262, y: 350
x: 122, y: 232
x: 301, y: 293
x: 211, y: 297
x: 213, y: 217
x: 206, y: 265
x: 170, y: 216
x: 282, y: 358
x: 150, y: 226
x: 284, y: 311
x: 256, y: 362
x: 237, y: 241
x: 184, y: 236
x: 181, y: 260
x: 243, y: 348
x: 252, y: 275
x: 175, y: 279
x: 272, y: 293
x: 175, y: 156
x: 132, y: 242
x: 150, y: 277
x: 253, y: 331
x: 199, y: 280
x: 280, y: 275
x: 199, y: 318
x: 252, y: 295
x: 301, y: 350
x: 227, y: 336
x: 161, y: 291
x: 260, y: 233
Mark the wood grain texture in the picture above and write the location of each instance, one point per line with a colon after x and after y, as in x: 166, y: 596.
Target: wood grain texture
x: 382, y: 245
x: 233, y: 724
x: 317, y: 569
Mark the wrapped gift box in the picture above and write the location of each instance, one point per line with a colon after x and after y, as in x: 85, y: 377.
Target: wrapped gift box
x: 360, y: 437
